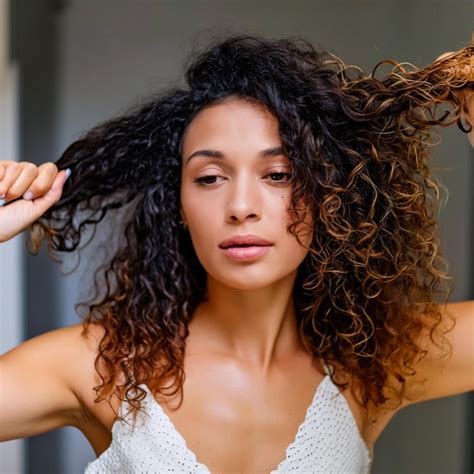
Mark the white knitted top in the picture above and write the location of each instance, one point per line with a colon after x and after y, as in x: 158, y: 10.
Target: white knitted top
x: 327, y: 441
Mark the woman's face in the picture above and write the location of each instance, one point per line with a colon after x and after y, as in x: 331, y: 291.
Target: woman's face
x: 239, y: 193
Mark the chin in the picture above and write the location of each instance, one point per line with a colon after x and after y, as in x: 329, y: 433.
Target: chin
x: 247, y: 285
x: 244, y: 279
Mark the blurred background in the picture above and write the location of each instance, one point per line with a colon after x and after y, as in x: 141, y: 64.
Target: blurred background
x: 65, y: 65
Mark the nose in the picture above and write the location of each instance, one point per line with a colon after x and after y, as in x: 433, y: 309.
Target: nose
x: 243, y: 202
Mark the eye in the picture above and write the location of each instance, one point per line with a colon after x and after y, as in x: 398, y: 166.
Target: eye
x: 202, y: 181
x: 280, y: 173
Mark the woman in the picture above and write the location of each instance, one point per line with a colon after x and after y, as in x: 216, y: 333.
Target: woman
x: 293, y: 353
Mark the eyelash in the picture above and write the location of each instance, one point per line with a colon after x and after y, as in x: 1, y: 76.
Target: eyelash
x: 200, y: 181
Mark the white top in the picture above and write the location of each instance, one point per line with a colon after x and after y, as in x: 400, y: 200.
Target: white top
x: 327, y: 441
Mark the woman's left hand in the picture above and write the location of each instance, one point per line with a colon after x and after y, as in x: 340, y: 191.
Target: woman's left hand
x: 466, y: 94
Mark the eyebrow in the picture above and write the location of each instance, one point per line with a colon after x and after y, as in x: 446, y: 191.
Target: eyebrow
x: 267, y: 153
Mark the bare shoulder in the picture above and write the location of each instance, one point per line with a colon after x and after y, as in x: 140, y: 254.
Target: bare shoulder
x: 86, y: 342
x: 95, y: 417
x: 81, y: 350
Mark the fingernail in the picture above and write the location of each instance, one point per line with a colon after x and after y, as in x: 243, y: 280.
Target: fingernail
x: 2, y: 202
x: 68, y: 173
x: 28, y: 195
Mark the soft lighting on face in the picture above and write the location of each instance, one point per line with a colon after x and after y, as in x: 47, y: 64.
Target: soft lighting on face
x: 236, y: 180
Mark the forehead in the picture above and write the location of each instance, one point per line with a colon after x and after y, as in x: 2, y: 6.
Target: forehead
x: 235, y: 121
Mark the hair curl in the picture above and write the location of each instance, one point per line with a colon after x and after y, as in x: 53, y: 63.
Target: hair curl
x: 360, y: 150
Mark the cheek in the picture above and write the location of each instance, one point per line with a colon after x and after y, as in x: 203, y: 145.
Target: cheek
x: 202, y: 221
x: 193, y: 208
x: 203, y: 218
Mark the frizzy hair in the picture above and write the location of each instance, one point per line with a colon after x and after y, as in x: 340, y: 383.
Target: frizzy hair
x: 372, y: 282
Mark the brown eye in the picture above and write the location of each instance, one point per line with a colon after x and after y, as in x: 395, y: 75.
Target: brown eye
x: 280, y: 174
x: 203, y: 180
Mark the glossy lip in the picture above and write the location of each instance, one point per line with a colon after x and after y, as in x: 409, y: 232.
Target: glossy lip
x: 244, y: 239
x: 246, y: 253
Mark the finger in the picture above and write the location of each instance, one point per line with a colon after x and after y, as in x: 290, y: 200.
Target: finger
x: 12, y: 171
x: 3, y: 166
x: 466, y: 71
x: 27, y: 212
x: 28, y: 174
x: 4, y: 163
x: 444, y: 55
x: 47, y: 173
x: 44, y: 202
x: 468, y: 114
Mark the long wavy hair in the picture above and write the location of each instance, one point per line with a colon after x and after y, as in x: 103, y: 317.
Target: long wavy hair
x: 373, y: 279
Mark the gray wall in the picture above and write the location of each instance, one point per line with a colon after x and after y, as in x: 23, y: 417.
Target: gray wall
x: 110, y: 53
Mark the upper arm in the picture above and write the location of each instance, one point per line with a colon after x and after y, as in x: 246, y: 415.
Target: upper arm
x: 36, y: 395
x: 454, y: 374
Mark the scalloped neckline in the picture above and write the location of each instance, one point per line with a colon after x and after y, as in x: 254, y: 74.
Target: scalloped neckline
x: 154, y: 403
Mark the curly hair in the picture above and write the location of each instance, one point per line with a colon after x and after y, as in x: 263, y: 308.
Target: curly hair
x: 359, y: 146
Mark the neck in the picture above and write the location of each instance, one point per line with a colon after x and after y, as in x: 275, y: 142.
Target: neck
x: 257, y: 326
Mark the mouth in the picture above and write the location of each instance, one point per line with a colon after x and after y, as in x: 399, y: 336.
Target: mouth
x: 246, y: 252
x: 249, y: 240
x: 245, y: 247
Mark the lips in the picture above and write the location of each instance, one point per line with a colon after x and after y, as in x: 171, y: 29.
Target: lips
x: 241, y: 254
x: 249, y: 240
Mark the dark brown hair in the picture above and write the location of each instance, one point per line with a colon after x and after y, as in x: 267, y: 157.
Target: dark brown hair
x: 372, y: 281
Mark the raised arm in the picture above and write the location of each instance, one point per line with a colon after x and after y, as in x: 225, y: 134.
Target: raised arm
x: 455, y: 374
x: 35, y: 395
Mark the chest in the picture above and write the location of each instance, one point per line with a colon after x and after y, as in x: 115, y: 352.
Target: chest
x: 232, y: 419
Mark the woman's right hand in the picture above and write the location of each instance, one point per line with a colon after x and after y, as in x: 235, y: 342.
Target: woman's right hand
x: 17, y: 179
x: 466, y: 93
